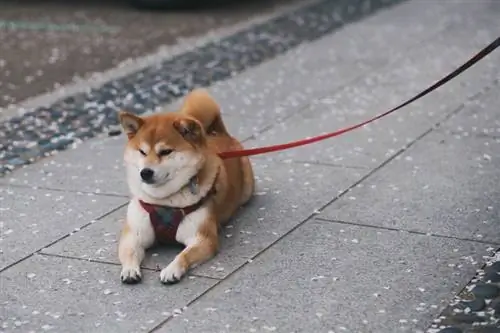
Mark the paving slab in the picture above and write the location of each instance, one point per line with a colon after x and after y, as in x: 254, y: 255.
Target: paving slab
x: 300, y: 75
x: 45, y: 129
x: 31, y: 219
x: 285, y: 196
x: 380, y: 91
x: 49, y: 294
x: 315, y: 69
x: 444, y: 184
x: 387, y: 256
x: 328, y: 277
x: 479, y: 119
x: 96, y: 166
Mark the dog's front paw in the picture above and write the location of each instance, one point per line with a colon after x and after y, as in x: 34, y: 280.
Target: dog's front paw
x: 131, y: 275
x: 173, y: 273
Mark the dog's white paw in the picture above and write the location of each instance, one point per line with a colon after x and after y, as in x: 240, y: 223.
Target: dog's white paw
x: 131, y: 275
x: 173, y: 273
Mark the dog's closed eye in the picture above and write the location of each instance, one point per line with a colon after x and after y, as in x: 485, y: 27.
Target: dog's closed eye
x: 165, y: 152
x: 142, y: 152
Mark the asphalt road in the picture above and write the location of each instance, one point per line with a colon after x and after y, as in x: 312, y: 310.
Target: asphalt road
x: 45, y: 44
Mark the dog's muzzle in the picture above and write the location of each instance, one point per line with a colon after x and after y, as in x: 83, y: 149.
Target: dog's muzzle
x: 147, y: 175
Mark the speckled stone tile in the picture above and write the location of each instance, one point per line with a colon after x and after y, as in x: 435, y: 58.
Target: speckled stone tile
x: 26, y: 138
x: 32, y: 219
x: 315, y: 69
x: 286, y: 194
x: 328, y: 277
x: 95, y: 166
x: 443, y: 184
x: 378, y: 92
x: 478, y: 120
x: 63, y: 295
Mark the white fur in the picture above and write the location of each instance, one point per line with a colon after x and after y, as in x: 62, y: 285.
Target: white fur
x: 140, y: 237
x: 187, y: 235
x: 188, y: 229
x: 129, y: 271
x: 140, y: 225
x: 173, y: 272
x: 171, y: 174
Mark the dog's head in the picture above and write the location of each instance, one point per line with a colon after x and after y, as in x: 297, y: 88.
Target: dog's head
x: 164, y: 152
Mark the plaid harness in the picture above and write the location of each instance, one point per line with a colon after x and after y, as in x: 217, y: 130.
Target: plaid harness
x: 165, y: 220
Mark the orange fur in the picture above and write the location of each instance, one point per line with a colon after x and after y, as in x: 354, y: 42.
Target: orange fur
x: 196, y: 130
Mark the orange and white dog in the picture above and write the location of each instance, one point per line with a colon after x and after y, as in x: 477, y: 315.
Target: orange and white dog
x: 182, y: 191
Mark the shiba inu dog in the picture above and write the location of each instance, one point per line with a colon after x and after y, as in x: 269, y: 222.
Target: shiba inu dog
x: 182, y: 191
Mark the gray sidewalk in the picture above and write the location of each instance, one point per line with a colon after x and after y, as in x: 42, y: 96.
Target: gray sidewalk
x: 375, y: 231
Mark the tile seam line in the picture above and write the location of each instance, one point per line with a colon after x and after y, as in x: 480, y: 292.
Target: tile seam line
x: 315, y: 163
x: 471, y: 135
x: 303, y: 107
x: 308, y: 218
x: 415, y: 232
x: 326, y: 164
x: 60, y: 239
x: 58, y: 189
x: 314, y: 214
x: 385, y: 6
x: 110, y: 263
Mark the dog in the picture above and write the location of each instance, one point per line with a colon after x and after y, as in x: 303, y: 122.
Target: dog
x: 181, y: 190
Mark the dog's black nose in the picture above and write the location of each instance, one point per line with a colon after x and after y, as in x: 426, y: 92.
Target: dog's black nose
x: 147, y: 174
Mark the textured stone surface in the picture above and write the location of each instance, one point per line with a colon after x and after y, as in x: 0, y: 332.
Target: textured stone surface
x: 299, y: 76
x: 94, y: 167
x: 451, y: 330
x: 286, y: 194
x: 443, y: 185
x: 32, y: 219
x: 325, y: 276
x: 476, y: 304
x: 61, y: 295
x: 356, y: 275
x: 476, y: 308
x: 42, y: 41
x: 54, y: 128
x: 486, y: 290
x: 382, y: 90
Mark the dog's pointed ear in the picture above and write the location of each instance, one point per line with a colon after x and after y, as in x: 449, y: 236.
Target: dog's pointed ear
x: 130, y: 123
x: 190, y: 129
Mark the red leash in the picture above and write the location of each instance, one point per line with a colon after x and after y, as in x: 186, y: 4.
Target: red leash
x: 262, y: 150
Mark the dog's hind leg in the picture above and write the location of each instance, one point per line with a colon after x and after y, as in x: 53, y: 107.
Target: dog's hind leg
x: 248, y: 180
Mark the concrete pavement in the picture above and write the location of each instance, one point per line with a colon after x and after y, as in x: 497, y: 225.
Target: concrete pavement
x: 391, y: 228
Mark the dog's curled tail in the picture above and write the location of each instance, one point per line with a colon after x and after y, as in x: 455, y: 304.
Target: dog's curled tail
x: 200, y: 105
